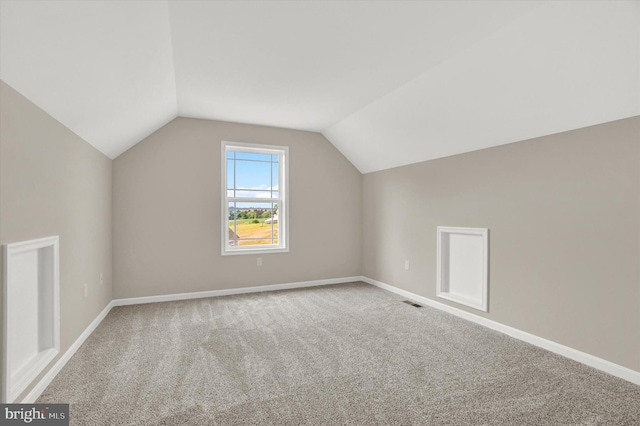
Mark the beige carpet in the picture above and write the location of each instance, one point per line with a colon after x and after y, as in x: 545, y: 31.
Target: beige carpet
x: 341, y: 354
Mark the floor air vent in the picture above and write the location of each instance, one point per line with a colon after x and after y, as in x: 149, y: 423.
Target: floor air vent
x: 409, y: 302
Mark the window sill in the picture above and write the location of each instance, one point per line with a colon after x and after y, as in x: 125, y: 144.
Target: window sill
x: 254, y: 251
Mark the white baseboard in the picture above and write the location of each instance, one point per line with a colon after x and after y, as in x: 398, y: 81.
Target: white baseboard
x: 62, y: 361
x: 590, y: 360
x: 574, y: 354
x: 229, y: 292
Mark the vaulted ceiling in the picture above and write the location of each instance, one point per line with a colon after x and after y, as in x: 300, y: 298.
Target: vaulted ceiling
x: 388, y: 83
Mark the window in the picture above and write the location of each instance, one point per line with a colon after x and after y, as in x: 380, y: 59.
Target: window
x: 254, y: 198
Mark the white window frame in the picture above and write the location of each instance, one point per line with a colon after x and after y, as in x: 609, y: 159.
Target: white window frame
x: 282, y: 200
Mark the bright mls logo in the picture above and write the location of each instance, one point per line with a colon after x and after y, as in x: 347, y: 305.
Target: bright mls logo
x: 36, y: 414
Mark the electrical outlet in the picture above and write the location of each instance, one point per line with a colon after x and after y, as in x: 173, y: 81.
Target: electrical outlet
x: 259, y: 261
x: 86, y: 290
x: 101, y: 278
x: 406, y: 265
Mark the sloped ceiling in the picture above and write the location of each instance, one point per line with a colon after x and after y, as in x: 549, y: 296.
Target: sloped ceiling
x: 388, y: 83
x: 103, y: 69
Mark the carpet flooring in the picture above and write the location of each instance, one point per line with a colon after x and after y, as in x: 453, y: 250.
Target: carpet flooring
x: 347, y: 354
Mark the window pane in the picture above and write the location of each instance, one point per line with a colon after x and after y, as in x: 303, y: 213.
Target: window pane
x: 255, y: 229
x: 230, y: 154
x: 231, y: 234
x: 230, y: 174
x: 251, y: 205
x: 275, y: 181
x: 254, y: 242
x: 253, y: 194
x: 257, y: 225
x: 232, y: 210
x: 252, y: 175
x: 275, y: 158
x: 253, y: 156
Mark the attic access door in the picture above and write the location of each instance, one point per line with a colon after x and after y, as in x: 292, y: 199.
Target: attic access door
x: 31, y: 306
x: 463, y: 266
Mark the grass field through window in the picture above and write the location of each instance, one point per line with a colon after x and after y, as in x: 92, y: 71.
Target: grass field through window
x: 247, y: 228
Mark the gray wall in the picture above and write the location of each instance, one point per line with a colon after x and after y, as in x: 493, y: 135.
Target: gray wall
x: 564, y: 219
x: 166, y: 212
x: 54, y: 183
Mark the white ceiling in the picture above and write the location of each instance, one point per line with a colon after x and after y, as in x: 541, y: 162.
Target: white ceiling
x: 103, y: 69
x: 388, y: 83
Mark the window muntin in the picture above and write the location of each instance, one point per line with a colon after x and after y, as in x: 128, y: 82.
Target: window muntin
x: 254, y: 217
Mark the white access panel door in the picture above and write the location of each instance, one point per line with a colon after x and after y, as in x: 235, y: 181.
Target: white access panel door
x: 31, y: 312
x: 462, y: 269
